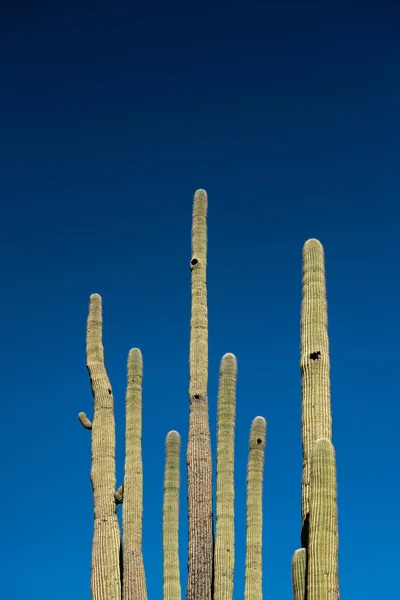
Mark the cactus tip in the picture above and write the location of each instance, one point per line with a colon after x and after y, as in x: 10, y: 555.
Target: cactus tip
x: 173, y: 435
x: 313, y: 244
x: 200, y: 193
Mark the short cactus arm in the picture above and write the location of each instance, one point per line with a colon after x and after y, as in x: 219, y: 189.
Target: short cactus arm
x: 299, y: 568
x: 84, y: 421
x: 105, y: 578
x: 134, y: 580
x: 322, y: 576
x: 314, y: 363
x: 254, y: 516
x: 119, y: 494
x: 172, y: 584
x: 224, y: 552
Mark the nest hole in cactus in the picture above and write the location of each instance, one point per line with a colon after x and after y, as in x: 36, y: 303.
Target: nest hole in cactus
x: 194, y: 262
x: 259, y: 441
x: 315, y: 355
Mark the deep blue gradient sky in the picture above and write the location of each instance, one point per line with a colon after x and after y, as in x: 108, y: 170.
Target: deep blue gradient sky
x: 111, y: 115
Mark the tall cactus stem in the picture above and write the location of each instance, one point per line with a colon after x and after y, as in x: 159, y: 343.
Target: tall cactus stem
x: 105, y: 575
x: 224, y: 552
x: 323, y: 576
x: 172, y: 583
x: 314, y: 365
x: 254, y: 515
x: 198, y: 456
x: 134, y: 581
x: 299, y: 572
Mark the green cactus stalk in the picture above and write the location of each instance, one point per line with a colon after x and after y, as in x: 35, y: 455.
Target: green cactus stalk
x: 172, y: 583
x: 323, y: 576
x: 254, y: 512
x: 315, y: 365
x: 224, y: 551
x: 198, y: 456
x: 134, y: 580
x: 105, y: 573
x: 299, y: 571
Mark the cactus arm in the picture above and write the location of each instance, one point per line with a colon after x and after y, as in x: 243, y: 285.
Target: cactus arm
x: 314, y: 363
x: 254, y: 516
x: 134, y: 581
x: 198, y: 456
x: 224, y: 552
x: 119, y: 494
x: 84, y: 421
x: 105, y: 576
x: 322, y: 576
x: 299, y: 571
x: 171, y: 581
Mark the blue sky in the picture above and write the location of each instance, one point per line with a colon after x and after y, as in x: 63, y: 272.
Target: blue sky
x: 111, y: 115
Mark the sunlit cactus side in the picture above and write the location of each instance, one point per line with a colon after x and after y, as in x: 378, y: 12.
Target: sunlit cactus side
x: 134, y: 580
x: 224, y: 551
x: 254, y: 511
x: 105, y: 572
x: 299, y: 571
x: 198, y: 457
x: 171, y: 580
x: 323, y: 576
x: 315, y: 365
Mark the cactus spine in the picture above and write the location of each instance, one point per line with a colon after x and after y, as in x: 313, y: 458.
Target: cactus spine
x: 172, y: 584
x: 134, y: 581
x: 299, y: 566
x: 106, y: 576
x: 198, y: 457
x: 224, y: 552
x: 254, y: 515
x: 322, y: 577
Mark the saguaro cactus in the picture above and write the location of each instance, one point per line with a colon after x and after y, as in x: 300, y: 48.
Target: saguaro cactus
x: 198, y: 457
x: 314, y: 363
x: 254, y: 513
x: 224, y: 552
x: 299, y: 566
x: 322, y: 576
x: 105, y: 577
x: 172, y: 584
x: 134, y: 581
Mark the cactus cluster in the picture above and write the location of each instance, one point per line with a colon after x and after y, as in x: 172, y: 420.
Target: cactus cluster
x: 117, y: 566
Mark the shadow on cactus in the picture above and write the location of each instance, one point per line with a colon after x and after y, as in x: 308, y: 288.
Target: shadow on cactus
x: 117, y: 571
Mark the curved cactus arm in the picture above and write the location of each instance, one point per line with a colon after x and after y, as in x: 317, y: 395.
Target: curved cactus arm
x: 224, y: 551
x: 322, y: 576
x: 314, y: 364
x: 134, y: 580
x: 299, y: 570
x: 171, y: 580
x: 106, y: 576
x: 198, y: 456
x: 119, y: 494
x: 254, y: 516
x: 84, y: 421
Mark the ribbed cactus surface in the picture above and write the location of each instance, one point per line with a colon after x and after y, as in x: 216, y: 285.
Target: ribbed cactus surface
x: 224, y: 552
x: 172, y: 583
x: 322, y: 577
x: 106, y: 576
x: 198, y: 456
x: 134, y: 581
x: 314, y: 362
x: 299, y: 572
x: 254, y: 512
